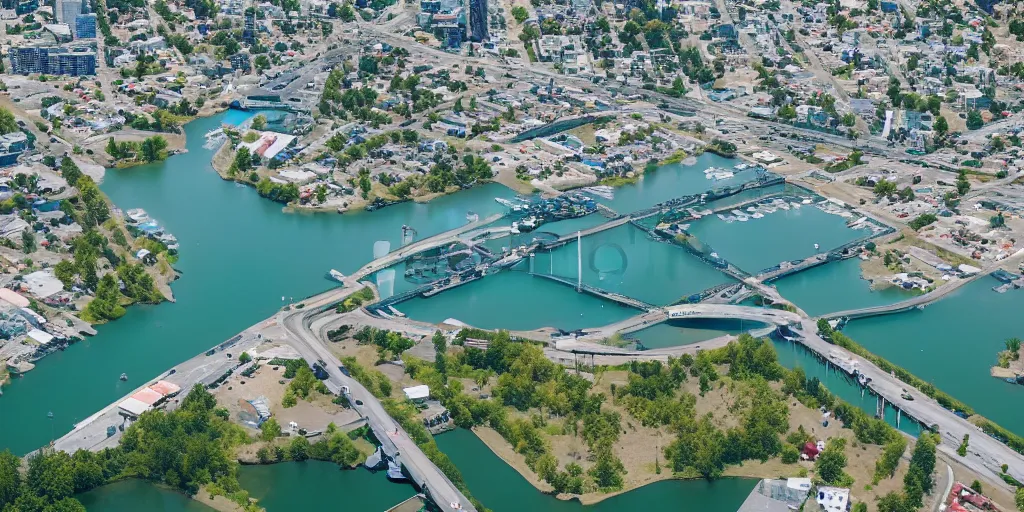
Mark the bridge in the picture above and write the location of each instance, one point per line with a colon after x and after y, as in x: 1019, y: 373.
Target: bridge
x: 766, y: 316
x: 916, y: 302
x: 604, y: 294
x: 464, y: 234
x: 305, y: 332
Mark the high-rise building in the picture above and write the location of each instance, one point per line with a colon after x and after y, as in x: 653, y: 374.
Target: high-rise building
x: 85, y: 26
x: 478, y: 20
x: 67, y: 10
x: 53, y: 60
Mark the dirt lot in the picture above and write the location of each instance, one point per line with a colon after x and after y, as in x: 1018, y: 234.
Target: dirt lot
x: 310, y: 415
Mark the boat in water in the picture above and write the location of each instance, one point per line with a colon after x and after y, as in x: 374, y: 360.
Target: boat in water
x: 124, y: 376
x: 337, y: 276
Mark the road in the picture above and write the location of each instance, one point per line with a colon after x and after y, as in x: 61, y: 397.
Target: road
x: 733, y: 312
x: 303, y: 336
x: 438, y: 240
x: 985, y: 454
x: 920, y: 300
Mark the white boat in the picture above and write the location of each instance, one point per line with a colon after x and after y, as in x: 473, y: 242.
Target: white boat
x: 137, y: 215
x: 757, y: 215
x: 337, y: 276
x: 807, y: 201
x: 795, y: 205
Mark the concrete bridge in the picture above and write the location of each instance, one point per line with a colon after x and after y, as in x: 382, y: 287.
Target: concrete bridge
x: 305, y: 330
x: 465, y: 234
x: 766, y: 316
x: 916, y: 302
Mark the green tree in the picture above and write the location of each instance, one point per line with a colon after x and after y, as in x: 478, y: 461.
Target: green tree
x: 520, y: 13
x: 831, y: 462
x: 7, y: 122
x: 941, y: 126
x: 28, y: 241
x: 259, y: 122
x: 10, y: 478
x: 70, y: 171
x: 270, y: 429
x: 787, y: 112
x: 974, y: 120
x: 457, y: 107
x: 607, y: 470
x: 153, y: 149
x: 885, y: 188
x: 918, y: 479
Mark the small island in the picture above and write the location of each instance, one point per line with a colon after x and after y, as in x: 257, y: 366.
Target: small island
x: 1010, y: 365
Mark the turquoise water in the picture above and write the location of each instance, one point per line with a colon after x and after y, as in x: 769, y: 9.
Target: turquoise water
x: 672, y: 181
x: 952, y: 344
x: 240, y: 254
x: 687, y: 332
x: 785, y: 235
x: 517, y: 301
x: 835, y: 286
x: 317, y: 485
x: 626, y: 260
x: 135, y: 495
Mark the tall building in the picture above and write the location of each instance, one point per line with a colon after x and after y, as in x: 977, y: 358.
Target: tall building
x: 478, y: 20
x: 53, y: 60
x: 67, y: 10
x: 249, y: 32
x: 85, y: 26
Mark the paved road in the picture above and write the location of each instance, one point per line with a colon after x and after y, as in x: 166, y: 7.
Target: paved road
x: 437, y: 240
x: 301, y: 327
x: 733, y: 312
x: 985, y: 455
x: 920, y: 300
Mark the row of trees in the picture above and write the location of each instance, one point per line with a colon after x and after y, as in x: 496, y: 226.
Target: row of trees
x: 151, y: 149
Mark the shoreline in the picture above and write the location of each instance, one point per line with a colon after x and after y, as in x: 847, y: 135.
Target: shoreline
x: 501, y: 449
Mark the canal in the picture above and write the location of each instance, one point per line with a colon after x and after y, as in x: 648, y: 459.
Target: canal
x: 242, y: 257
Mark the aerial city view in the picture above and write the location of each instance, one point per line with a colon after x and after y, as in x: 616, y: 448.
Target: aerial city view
x: 511, y: 255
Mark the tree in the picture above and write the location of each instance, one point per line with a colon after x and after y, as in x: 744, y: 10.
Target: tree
x: 962, y: 185
x: 974, y: 120
x: 885, y: 188
x: 849, y: 119
x: 7, y: 122
x: 787, y: 112
x: 153, y: 149
x: 894, y: 502
x: 520, y: 14
x: 608, y: 469
x: 1019, y: 498
x: 112, y: 149
x: 270, y: 429
x: 28, y: 241
x: 259, y: 123
x: 10, y: 478
x: 831, y: 462
x: 918, y: 479
x: 1013, y: 345
x: 457, y: 107
x: 244, y: 358
x: 70, y: 171
x: 941, y: 126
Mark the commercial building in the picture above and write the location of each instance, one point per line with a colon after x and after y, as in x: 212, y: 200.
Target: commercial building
x: 53, y: 60
x: 67, y: 10
x: 85, y: 26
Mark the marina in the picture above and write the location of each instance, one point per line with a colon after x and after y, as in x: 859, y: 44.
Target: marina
x: 510, y: 299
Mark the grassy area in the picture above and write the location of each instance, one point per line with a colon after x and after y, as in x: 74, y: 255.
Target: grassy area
x: 948, y: 256
x: 618, y: 181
